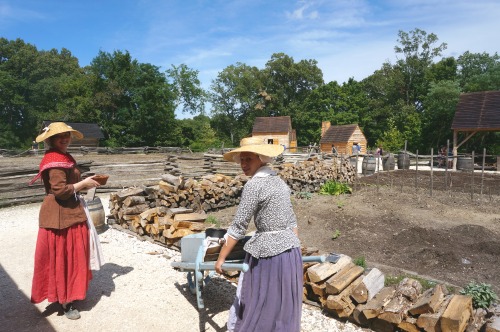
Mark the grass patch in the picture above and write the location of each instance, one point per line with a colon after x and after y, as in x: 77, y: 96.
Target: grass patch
x: 395, y: 280
x: 212, y: 221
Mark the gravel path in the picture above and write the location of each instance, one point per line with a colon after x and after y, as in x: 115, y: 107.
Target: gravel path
x: 136, y: 289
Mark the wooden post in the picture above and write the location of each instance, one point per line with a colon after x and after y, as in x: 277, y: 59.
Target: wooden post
x: 416, y: 173
x: 472, y: 179
x: 432, y: 170
x: 482, y: 171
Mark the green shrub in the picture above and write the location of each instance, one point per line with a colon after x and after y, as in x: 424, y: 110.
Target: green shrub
x: 213, y: 221
x: 335, y: 234
x: 334, y: 188
x: 482, y: 294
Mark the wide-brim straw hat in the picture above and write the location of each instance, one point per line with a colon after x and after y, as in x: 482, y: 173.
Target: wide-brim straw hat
x: 255, y: 145
x: 57, y: 128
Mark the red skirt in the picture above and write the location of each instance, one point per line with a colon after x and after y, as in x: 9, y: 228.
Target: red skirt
x: 62, y: 272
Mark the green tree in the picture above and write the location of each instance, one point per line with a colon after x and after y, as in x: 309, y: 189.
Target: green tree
x: 440, y: 105
x: 187, y: 89
x: 236, y: 98
x: 136, y: 102
x: 417, y: 48
x: 288, y: 83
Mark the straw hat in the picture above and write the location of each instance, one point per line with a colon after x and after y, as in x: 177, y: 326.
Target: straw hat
x: 256, y: 145
x: 56, y: 128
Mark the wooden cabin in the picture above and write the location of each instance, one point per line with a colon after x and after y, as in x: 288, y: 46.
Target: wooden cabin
x: 92, y: 133
x: 276, y: 130
x: 342, y: 137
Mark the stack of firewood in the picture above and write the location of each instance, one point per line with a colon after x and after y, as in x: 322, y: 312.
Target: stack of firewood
x: 152, y: 210
x: 175, y: 207
x: 309, y: 175
x: 348, y: 291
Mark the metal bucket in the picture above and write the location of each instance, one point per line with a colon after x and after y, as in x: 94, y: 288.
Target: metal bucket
x: 96, y: 211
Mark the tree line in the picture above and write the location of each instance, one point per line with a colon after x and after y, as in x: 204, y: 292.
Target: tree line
x: 412, y: 100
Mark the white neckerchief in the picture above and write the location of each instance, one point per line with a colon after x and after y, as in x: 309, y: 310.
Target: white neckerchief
x: 263, y: 172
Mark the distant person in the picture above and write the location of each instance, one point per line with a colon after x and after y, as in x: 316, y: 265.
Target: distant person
x: 34, y: 147
x: 380, y: 151
x: 334, y: 150
x: 65, y: 248
x: 356, y: 148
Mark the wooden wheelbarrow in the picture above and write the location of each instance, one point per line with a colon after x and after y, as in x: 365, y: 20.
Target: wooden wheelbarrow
x: 193, y: 261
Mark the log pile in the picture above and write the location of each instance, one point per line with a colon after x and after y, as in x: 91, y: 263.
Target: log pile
x: 347, y: 291
x: 309, y: 175
x: 148, y: 211
x: 175, y: 207
x: 186, y: 165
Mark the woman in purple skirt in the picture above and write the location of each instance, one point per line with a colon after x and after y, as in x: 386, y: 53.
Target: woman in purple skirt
x: 269, y: 294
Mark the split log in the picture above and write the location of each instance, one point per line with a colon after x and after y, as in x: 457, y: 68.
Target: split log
x: 430, y: 322
x: 358, y: 316
x: 429, y: 301
x: 134, y: 200
x: 136, y: 209
x: 167, y: 187
x: 493, y: 325
x: 375, y: 306
x: 409, y: 325
x: 380, y: 325
x: 323, y: 271
x: 190, y: 216
x: 372, y: 283
x: 457, y: 314
x: 397, y: 309
x: 342, y: 302
x: 338, y: 282
x: 176, y: 181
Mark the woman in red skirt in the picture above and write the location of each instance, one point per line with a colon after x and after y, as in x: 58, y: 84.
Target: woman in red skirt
x: 62, y: 271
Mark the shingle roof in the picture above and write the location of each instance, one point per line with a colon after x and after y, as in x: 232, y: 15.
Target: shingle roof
x: 278, y: 124
x: 338, y: 133
x: 478, y: 111
x: 89, y: 130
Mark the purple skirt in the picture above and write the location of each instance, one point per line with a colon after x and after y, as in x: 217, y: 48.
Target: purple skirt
x: 269, y: 294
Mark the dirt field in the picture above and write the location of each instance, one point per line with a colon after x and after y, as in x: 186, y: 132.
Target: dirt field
x: 449, y: 236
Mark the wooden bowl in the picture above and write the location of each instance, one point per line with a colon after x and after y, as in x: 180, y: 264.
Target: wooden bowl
x: 101, y: 178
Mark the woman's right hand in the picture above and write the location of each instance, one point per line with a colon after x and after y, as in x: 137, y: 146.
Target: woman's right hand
x: 87, y: 183
x: 218, y: 265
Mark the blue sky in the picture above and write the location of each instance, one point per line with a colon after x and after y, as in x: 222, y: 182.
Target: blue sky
x: 348, y: 38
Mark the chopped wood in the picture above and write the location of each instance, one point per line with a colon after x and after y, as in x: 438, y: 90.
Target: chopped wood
x: 374, y: 307
x: 429, y: 301
x: 430, y: 322
x: 323, y: 271
x: 409, y: 325
x: 493, y: 325
x: 134, y: 200
x: 372, y: 283
x: 457, y: 314
x: 190, y: 216
x: 358, y: 316
x: 136, y: 209
x: 342, y: 302
x: 397, y: 309
x: 336, y: 283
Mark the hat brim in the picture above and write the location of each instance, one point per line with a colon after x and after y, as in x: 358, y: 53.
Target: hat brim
x: 43, y: 136
x: 268, y: 150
